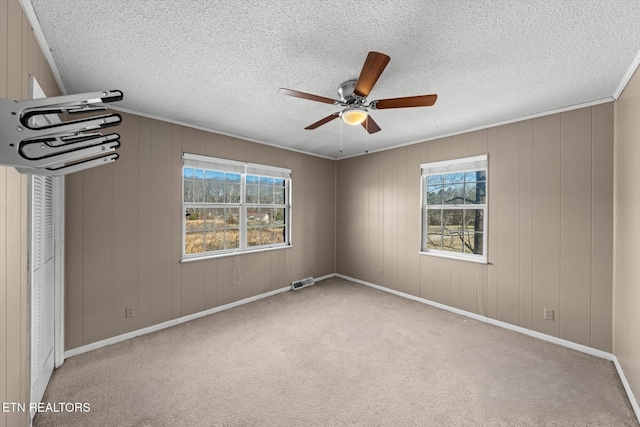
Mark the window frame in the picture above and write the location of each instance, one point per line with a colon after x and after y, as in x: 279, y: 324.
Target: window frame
x: 244, y: 169
x: 461, y: 165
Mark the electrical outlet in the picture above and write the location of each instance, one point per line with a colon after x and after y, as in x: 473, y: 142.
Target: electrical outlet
x: 130, y: 311
x: 548, y: 314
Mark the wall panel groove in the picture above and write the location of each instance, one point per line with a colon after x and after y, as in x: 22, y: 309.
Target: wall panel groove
x: 601, y: 227
x: 575, y: 228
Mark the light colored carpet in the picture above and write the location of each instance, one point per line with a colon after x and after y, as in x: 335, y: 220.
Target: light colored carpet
x: 337, y: 354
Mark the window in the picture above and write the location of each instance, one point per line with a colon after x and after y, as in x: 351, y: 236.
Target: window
x: 454, y: 208
x: 233, y: 206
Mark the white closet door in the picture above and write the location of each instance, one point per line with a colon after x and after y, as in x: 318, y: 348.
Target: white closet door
x: 43, y: 281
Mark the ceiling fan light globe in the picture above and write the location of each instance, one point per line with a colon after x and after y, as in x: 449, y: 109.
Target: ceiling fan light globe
x: 354, y: 116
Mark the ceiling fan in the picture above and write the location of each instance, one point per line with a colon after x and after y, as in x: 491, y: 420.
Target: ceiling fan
x: 353, y: 97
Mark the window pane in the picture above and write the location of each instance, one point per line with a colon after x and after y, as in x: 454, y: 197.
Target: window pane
x: 214, y: 240
x: 253, y: 218
x: 435, y: 179
x: 434, y: 194
x: 434, y: 229
x: 252, y: 179
x: 279, y: 195
x: 434, y: 219
x: 232, y: 193
x: 195, y: 220
x: 198, y: 174
x: 210, y: 175
x: 265, y: 226
x: 278, y: 182
x: 470, y: 193
x: 266, y: 194
x: 470, y: 176
x: 434, y: 240
x: 473, y: 243
x: 267, y: 236
x: 252, y: 194
x: 473, y: 219
x: 452, y: 239
x: 481, y: 191
x: 452, y: 218
x: 209, y: 192
x: 213, y: 192
x: 452, y: 242
x: 475, y: 193
x: 279, y: 216
x: 213, y: 218
x: 253, y: 236
x: 232, y: 238
x: 194, y: 242
x: 198, y: 191
x: 266, y: 216
x: 264, y: 180
x: 232, y: 177
x: 188, y: 173
x: 453, y: 194
x: 232, y: 217
x: 188, y: 191
x: 478, y: 243
x: 453, y: 178
x: 208, y: 222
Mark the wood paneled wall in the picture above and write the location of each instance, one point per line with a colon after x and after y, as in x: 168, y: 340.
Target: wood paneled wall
x: 627, y: 233
x: 20, y: 56
x: 550, y: 224
x: 124, y: 231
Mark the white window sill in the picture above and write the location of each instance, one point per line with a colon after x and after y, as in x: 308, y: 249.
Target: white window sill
x: 233, y: 253
x: 476, y: 259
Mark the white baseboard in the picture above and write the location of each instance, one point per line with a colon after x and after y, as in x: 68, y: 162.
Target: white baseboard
x: 119, y: 338
x: 113, y: 340
x: 627, y: 388
x: 555, y: 340
x: 579, y: 347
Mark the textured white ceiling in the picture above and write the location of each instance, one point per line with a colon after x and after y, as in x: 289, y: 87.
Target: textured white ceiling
x: 218, y: 64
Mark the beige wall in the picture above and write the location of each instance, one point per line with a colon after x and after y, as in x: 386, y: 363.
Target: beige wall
x: 627, y: 233
x: 550, y: 224
x: 124, y: 225
x: 20, y: 56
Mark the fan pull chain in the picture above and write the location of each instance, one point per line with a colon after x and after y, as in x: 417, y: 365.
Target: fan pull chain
x: 366, y: 138
x: 341, y: 123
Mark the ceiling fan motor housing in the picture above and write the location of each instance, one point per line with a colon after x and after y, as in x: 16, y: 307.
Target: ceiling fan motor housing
x: 346, y: 91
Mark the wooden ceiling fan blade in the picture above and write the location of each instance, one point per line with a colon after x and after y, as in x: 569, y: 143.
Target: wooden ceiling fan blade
x: 370, y: 125
x: 303, y: 95
x: 323, y: 121
x: 405, y: 102
x: 373, y: 67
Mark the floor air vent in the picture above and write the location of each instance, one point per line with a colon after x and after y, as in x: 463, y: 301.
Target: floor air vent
x: 302, y: 283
